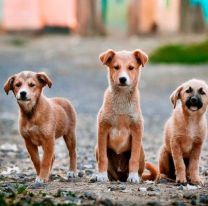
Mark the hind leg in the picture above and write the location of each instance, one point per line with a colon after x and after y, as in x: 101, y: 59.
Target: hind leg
x: 70, y: 140
x: 164, y: 163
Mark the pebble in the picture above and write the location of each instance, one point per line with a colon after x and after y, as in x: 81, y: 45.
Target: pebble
x: 142, y: 189
x: 150, y: 189
x: 189, y: 195
x: 117, y: 187
x: 193, y: 202
x: 87, y: 166
x: 90, y: 195
x: 80, y: 174
x: 203, y: 199
x: 153, y: 203
x: 163, y: 181
x: 88, y: 172
x: 180, y: 187
x: 93, y: 179
x: 180, y: 204
x: 106, y: 202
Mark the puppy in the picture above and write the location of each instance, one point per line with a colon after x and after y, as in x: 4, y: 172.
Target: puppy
x: 42, y: 120
x: 185, y: 133
x: 119, y: 150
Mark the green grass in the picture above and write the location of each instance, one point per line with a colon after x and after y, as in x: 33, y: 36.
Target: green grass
x: 196, y: 53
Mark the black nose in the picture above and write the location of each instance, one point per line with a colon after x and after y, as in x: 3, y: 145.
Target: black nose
x: 122, y: 80
x: 23, y: 94
x: 193, y: 100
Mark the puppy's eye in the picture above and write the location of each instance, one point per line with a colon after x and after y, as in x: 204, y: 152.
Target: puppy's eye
x: 130, y: 67
x: 189, y: 90
x: 18, y: 85
x: 31, y: 85
x: 116, y: 67
x: 201, y: 91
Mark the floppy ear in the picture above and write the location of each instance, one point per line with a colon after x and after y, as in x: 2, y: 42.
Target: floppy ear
x: 44, y: 79
x: 175, y: 96
x: 9, y: 84
x: 140, y: 56
x: 107, y: 56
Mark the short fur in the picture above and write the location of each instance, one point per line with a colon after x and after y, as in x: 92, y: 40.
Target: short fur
x: 119, y: 150
x: 184, y: 134
x: 42, y: 120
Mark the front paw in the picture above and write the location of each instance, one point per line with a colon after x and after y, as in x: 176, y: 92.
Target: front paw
x: 181, y: 180
x: 39, y: 180
x: 99, y: 177
x: 39, y: 183
x: 71, y: 175
x: 133, y: 177
x: 196, y: 181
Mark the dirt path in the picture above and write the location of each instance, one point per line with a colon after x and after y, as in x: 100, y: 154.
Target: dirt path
x: 73, y: 65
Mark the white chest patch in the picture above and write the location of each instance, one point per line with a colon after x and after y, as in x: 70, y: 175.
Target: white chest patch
x: 34, y: 129
x: 119, y: 139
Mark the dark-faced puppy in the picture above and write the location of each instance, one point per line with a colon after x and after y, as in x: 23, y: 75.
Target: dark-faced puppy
x: 42, y: 120
x: 185, y: 133
x: 119, y: 150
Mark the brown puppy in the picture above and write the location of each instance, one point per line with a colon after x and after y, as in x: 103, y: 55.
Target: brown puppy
x: 42, y: 120
x: 185, y: 133
x: 119, y: 149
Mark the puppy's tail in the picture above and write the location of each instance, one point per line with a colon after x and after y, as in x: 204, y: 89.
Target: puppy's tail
x: 154, y: 173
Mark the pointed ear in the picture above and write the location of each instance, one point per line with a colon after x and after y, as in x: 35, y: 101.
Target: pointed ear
x: 107, y: 56
x: 140, y: 56
x: 175, y: 96
x: 44, y: 79
x: 9, y: 84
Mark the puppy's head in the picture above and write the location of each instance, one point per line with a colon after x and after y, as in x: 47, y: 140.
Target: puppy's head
x: 123, y: 67
x: 27, y: 86
x: 193, y: 95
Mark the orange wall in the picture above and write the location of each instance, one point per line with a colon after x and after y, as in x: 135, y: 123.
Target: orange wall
x: 34, y: 14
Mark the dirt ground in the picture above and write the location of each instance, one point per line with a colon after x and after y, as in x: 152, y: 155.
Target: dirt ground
x: 77, y: 74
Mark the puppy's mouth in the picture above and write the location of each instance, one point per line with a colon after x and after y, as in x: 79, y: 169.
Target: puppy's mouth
x: 123, y: 85
x: 193, y: 109
x: 194, y: 105
x: 23, y: 100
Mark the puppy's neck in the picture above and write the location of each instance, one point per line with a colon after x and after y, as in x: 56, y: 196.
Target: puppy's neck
x: 124, y: 102
x: 28, y: 110
x: 190, y: 116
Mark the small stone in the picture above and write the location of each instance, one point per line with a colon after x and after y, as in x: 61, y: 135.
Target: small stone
x: 87, y: 166
x: 180, y: 187
x: 150, y: 189
x: 203, y: 199
x: 189, y: 195
x: 153, y: 203
x: 106, y: 202
x: 90, y: 195
x: 163, y: 181
x: 142, y: 189
x: 117, y: 187
x: 80, y: 174
x: 180, y: 204
x: 37, y: 185
x: 193, y: 202
x: 88, y: 172
x: 93, y: 179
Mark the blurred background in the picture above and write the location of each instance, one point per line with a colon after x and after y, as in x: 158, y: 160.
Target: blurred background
x: 65, y: 37
x: 90, y: 17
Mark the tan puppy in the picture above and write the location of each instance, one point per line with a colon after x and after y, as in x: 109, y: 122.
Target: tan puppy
x: 119, y: 149
x: 185, y: 133
x: 42, y: 120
